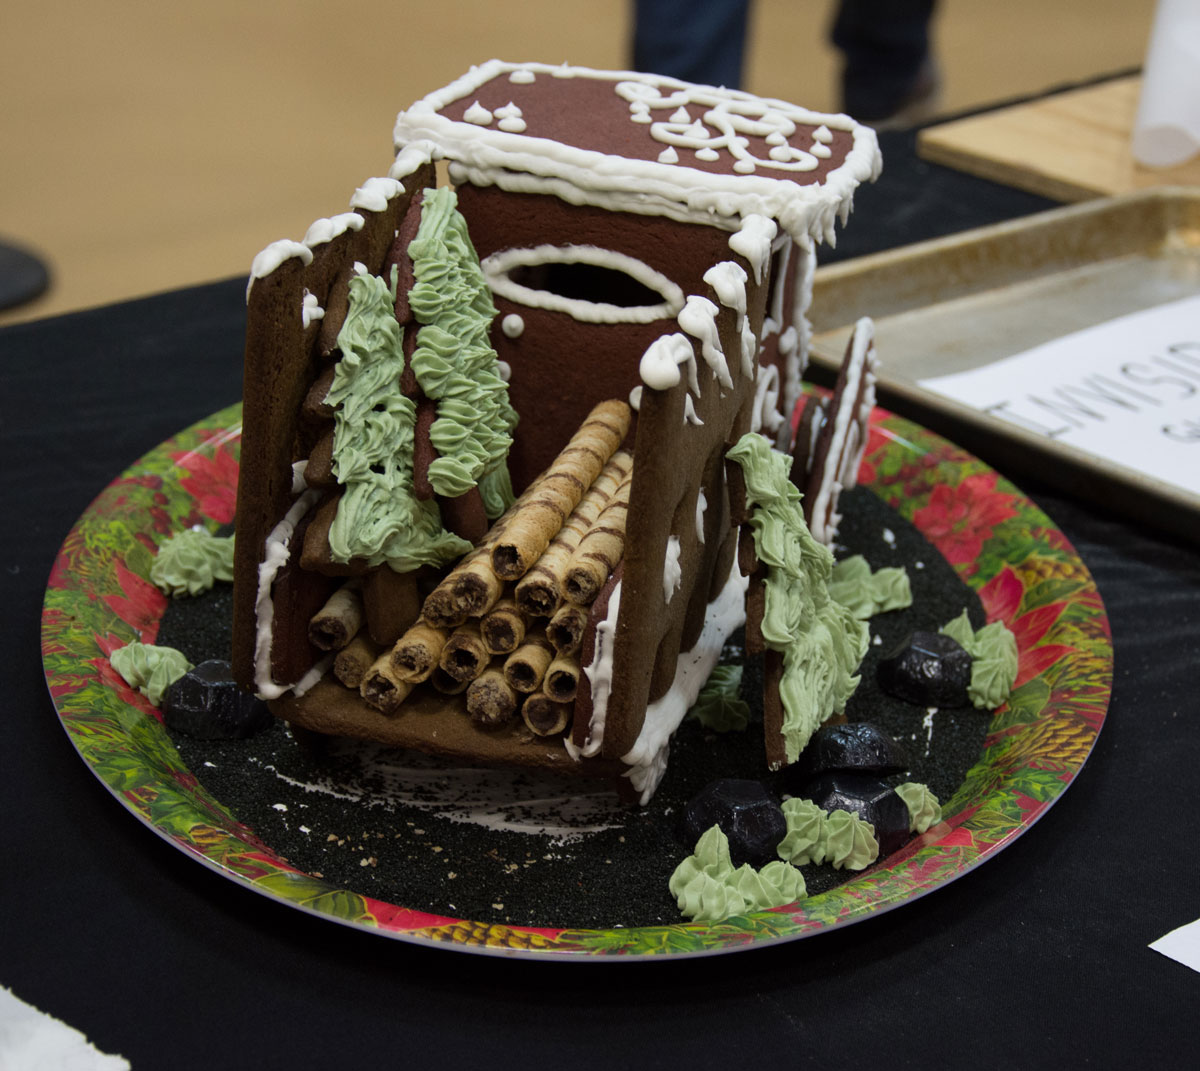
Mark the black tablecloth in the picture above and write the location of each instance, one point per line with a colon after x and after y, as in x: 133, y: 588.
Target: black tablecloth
x: 1039, y: 957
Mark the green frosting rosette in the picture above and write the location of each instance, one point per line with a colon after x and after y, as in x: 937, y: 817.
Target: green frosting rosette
x: 719, y: 706
x: 707, y: 888
x: 821, y: 641
x: 806, y: 833
x: 850, y: 842
x: 190, y: 562
x: 867, y: 593
x: 994, y: 652
x: 149, y: 669
x: 454, y: 361
x: 924, y: 810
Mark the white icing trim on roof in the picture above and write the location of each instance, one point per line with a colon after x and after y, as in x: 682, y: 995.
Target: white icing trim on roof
x: 274, y: 255
x: 374, y: 194
x: 528, y: 164
x: 498, y: 265
x: 326, y: 230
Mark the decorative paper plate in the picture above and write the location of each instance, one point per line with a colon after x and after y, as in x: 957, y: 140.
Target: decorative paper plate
x: 1022, y: 568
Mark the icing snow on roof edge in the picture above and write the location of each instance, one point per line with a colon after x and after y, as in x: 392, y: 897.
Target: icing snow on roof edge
x: 520, y: 162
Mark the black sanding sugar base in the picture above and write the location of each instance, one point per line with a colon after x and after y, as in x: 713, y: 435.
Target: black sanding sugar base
x: 380, y: 822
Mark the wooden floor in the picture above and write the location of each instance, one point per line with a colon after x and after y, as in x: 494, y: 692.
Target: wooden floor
x: 147, y: 147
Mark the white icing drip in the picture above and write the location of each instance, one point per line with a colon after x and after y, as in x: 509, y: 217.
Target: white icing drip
x: 672, y: 570
x: 498, y: 265
x: 512, y: 325
x: 600, y: 673
x: 309, y: 679
x: 485, y: 157
x: 325, y: 230
x: 701, y: 507
x: 275, y: 557
x: 299, y: 483
x: 522, y: 77
x: 635, y: 398
x: 273, y: 256
x: 848, y: 439
x: 689, y: 411
x: 765, y: 416
x: 310, y: 310
x: 359, y: 268
x: 374, y: 194
x: 648, y: 756
x: 698, y: 318
x: 668, y: 156
x: 728, y: 279
x: 477, y: 114
x: 753, y: 241
x: 659, y: 366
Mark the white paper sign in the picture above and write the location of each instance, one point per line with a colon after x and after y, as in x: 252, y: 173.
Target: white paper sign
x: 1127, y: 390
x: 1182, y: 945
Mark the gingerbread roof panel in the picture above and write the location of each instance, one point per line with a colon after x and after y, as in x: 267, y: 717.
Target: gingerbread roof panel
x: 644, y: 143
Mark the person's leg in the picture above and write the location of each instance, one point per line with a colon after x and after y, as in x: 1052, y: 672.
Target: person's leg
x: 888, y: 64
x: 696, y: 40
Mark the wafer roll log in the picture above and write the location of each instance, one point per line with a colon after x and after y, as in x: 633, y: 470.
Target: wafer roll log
x: 543, y: 716
x: 355, y: 659
x: 566, y: 628
x: 562, y: 679
x: 558, y: 490
x: 415, y: 655
x: 490, y: 699
x: 525, y: 668
x: 382, y: 688
x: 464, y: 657
x: 599, y: 551
x: 338, y: 621
x: 502, y: 627
x: 539, y: 591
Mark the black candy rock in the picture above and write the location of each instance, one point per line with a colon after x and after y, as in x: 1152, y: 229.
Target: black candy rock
x: 747, y: 814
x: 928, y: 669
x: 869, y: 798
x: 207, y: 703
x: 859, y: 745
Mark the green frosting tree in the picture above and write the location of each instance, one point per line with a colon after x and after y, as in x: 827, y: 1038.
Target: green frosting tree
x: 821, y: 641
x: 454, y: 361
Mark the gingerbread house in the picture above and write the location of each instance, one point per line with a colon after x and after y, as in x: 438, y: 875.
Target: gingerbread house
x: 647, y: 247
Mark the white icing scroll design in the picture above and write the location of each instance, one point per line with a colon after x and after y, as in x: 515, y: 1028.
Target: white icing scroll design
x: 497, y: 267
x: 726, y: 124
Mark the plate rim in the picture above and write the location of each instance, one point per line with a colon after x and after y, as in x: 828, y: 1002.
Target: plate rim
x: 975, y: 517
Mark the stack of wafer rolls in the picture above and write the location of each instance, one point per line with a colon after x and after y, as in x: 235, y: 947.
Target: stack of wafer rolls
x: 502, y: 626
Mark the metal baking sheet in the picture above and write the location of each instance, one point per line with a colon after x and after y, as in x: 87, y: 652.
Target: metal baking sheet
x: 958, y: 303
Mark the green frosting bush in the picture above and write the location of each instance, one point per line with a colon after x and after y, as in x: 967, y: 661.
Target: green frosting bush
x: 924, y: 809
x: 867, y: 593
x: 719, y: 706
x: 190, y: 562
x: 149, y: 669
x: 821, y: 641
x: 708, y: 888
x: 994, y: 652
